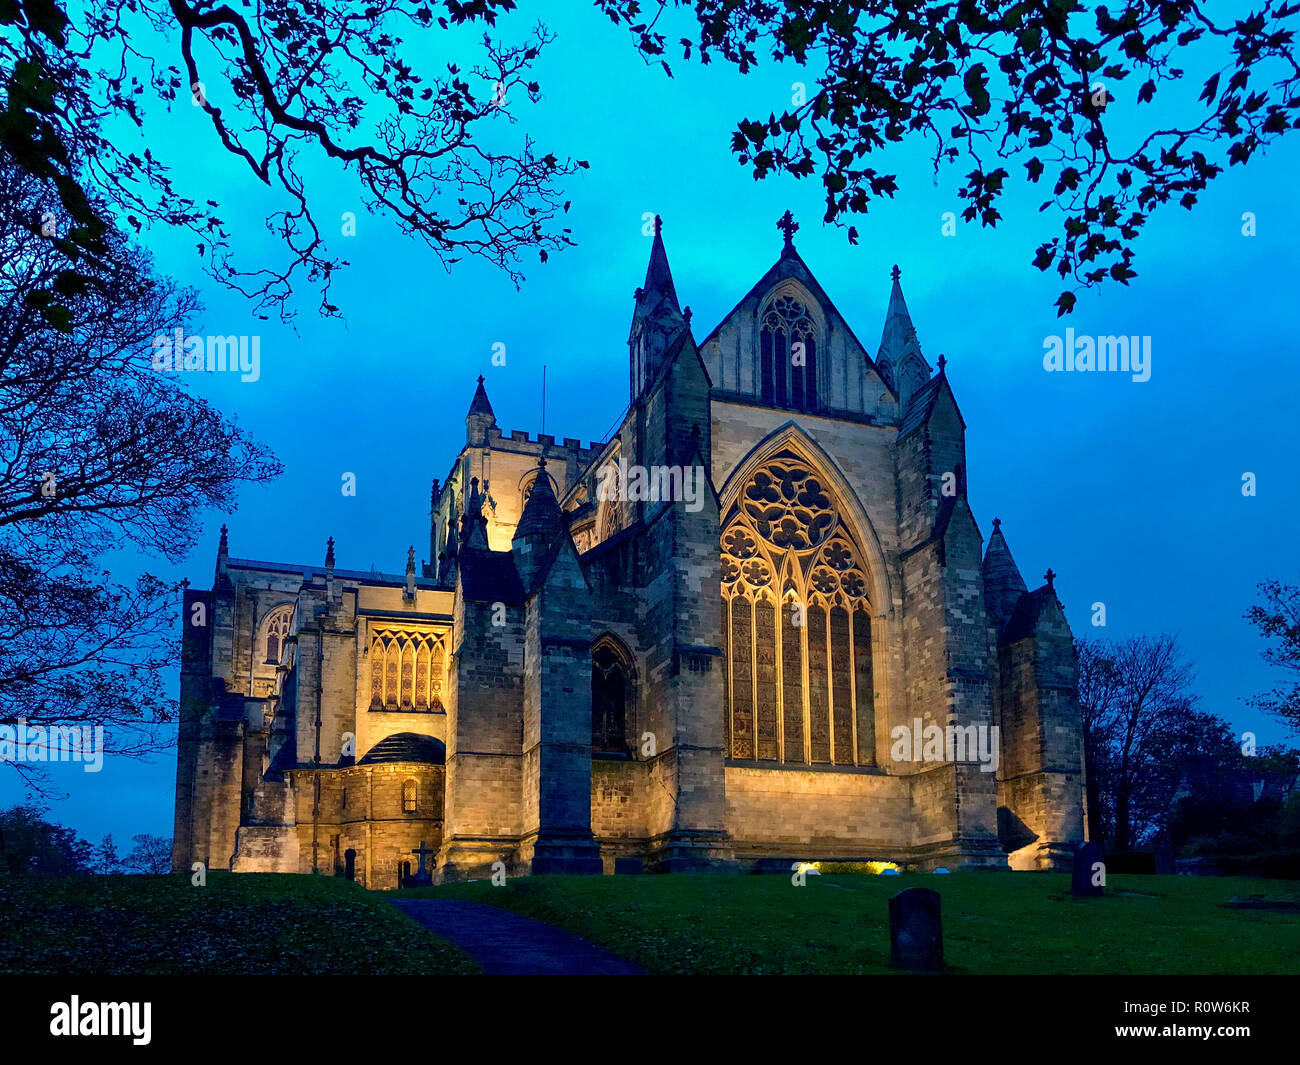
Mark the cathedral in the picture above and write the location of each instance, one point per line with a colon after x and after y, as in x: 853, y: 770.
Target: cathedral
x: 732, y: 655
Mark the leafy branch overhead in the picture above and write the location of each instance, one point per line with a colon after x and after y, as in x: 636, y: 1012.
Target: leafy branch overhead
x: 283, y: 85
x: 1090, y: 100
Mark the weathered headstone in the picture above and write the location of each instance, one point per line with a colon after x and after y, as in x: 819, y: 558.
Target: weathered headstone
x: 423, y: 877
x: 1166, y: 863
x: 915, y: 931
x: 941, y: 871
x: 1088, y: 876
x: 628, y: 866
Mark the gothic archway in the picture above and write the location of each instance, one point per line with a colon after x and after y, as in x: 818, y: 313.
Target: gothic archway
x: 611, y: 697
x: 797, y: 617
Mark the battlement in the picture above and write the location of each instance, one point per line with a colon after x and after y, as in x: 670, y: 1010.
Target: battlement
x: 544, y: 440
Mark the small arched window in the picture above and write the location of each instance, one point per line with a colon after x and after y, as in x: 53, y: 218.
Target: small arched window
x: 409, y: 796
x: 276, y: 629
x: 788, y: 356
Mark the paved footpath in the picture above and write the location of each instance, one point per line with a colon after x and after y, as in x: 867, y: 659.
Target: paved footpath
x: 505, y: 943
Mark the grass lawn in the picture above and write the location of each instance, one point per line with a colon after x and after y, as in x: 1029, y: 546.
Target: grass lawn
x: 246, y: 923
x: 992, y: 922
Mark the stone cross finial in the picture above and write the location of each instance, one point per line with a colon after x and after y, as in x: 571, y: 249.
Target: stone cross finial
x: 895, y: 273
x: 480, y: 378
x: 1050, y: 578
x: 942, y: 362
x: 659, y: 225
x: 329, y: 553
x: 997, y: 524
x: 787, y: 225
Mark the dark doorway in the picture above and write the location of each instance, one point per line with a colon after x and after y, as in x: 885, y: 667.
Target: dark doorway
x: 350, y: 864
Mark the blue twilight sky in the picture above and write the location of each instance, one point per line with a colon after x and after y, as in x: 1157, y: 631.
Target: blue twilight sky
x: 1130, y: 491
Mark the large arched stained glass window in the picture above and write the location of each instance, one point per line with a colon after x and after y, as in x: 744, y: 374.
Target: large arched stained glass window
x: 788, y: 356
x: 798, y: 623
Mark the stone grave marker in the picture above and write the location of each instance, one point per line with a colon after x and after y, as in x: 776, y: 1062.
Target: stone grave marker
x: 915, y: 931
x: 1088, y: 875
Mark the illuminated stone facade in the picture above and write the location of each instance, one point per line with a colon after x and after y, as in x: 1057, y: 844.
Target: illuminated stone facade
x: 664, y: 678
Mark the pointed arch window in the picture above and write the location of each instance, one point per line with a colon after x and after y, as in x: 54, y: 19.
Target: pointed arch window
x: 611, y: 698
x: 275, y: 630
x: 797, y: 621
x: 788, y: 356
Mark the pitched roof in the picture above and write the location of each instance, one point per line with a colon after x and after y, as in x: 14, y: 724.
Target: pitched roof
x: 1024, y: 618
x: 406, y: 747
x: 921, y: 405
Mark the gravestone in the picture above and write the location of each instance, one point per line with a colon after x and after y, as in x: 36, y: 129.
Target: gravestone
x: 423, y: 877
x: 915, y: 931
x: 628, y: 866
x: 890, y: 872
x: 941, y: 871
x: 1166, y: 863
x: 1083, y: 875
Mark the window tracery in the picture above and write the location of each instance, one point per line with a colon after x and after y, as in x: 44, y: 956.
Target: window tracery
x: 275, y: 629
x: 408, y: 669
x: 787, y: 372
x: 798, y: 622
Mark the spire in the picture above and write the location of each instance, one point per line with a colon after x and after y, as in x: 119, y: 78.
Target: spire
x: 899, y: 357
x: 409, y: 591
x: 329, y: 568
x: 658, y: 285
x: 223, y: 553
x: 541, y: 523
x: 479, y: 404
x: 542, y: 515
x: 657, y: 319
x: 899, y: 336
x: 480, y: 417
x: 473, y: 526
x: 1003, y: 585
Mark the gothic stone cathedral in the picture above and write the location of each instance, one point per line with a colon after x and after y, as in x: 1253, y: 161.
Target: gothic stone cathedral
x: 580, y: 678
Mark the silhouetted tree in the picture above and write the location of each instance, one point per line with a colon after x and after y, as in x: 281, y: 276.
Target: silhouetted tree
x: 1278, y: 619
x: 1084, y: 95
x: 35, y: 845
x: 151, y: 855
x: 98, y: 451
x: 1140, y: 723
x: 104, y: 859
x: 277, y: 83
